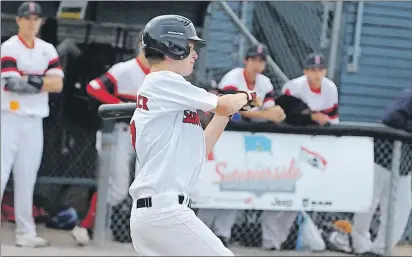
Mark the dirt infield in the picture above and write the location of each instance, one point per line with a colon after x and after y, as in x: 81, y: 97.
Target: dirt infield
x: 62, y: 244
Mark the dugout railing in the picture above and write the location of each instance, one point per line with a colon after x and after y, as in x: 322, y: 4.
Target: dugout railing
x: 388, y: 147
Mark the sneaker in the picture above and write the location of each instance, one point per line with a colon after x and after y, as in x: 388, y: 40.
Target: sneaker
x: 31, y: 241
x: 81, y: 235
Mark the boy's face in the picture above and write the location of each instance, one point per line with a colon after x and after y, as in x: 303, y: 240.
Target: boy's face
x: 29, y: 25
x: 315, y: 75
x: 185, y: 67
x: 255, y: 64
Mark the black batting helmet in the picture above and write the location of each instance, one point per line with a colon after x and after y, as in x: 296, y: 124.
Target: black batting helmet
x: 169, y: 35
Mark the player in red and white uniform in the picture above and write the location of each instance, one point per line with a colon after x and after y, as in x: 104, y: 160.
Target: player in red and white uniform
x: 317, y: 91
x: 250, y: 77
x: 171, y: 145
x: 118, y: 85
x: 30, y: 70
x: 321, y: 96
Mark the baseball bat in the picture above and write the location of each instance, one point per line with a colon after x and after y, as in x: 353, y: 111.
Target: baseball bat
x: 116, y: 111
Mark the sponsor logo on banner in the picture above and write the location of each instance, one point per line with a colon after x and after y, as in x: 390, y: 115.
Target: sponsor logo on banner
x: 306, y: 202
x: 324, y: 203
x: 258, y: 144
x: 314, y: 159
x: 281, y: 202
x: 273, y: 179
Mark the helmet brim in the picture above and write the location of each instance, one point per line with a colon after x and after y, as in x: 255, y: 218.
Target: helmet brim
x: 199, y: 42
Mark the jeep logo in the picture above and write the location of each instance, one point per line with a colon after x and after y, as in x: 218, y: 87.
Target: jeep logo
x: 278, y: 202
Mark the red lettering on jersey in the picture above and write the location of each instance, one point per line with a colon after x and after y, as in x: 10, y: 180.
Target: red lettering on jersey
x: 133, y: 134
x: 141, y: 102
x: 191, y: 118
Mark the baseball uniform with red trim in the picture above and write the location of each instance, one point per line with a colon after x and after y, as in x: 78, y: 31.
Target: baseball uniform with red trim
x: 324, y: 99
x: 171, y: 151
x: 236, y: 80
x: 119, y: 84
x: 22, y: 122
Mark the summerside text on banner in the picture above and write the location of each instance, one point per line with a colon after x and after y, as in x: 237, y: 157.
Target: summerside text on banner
x: 288, y: 172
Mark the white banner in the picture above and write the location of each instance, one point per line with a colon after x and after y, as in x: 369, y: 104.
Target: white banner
x: 268, y: 171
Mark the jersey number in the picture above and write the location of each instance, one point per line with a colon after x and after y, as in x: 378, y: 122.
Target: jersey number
x: 142, y: 102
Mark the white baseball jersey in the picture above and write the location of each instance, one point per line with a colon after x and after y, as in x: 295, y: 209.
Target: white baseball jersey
x: 120, y: 83
x: 324, y: 99
x: 18, y: 59
x: 167, y: 134
x: 236, y: 80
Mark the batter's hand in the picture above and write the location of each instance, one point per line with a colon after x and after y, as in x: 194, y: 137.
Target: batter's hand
x: 252, y: 100
x: 275, y: 114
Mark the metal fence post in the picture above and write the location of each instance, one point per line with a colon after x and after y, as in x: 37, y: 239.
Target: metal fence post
x: 396, y: 161
x: 334, y: 44
x: 201, y: 73
x: 241, y: 50
x: 108, y: 143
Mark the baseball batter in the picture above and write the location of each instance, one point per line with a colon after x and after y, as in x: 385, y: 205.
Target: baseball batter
x: 30, y: 70
x: 118, y: 85
x: 250, y: 77
x: 171, y: 145
x: 321, y: 95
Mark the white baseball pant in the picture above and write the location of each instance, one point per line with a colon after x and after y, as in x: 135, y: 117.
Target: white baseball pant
x: 276, y: 227
x: 361, y: 221
x: 21, y: 151
x: 220, y: 221
x: 172, y: 229
x: 119, y: 180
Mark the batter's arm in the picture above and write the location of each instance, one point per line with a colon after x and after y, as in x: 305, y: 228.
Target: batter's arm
x: 229, y: 104
x: 214, y: 130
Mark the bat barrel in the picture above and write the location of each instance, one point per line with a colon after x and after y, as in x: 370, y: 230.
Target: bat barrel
x: 117, y: 111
